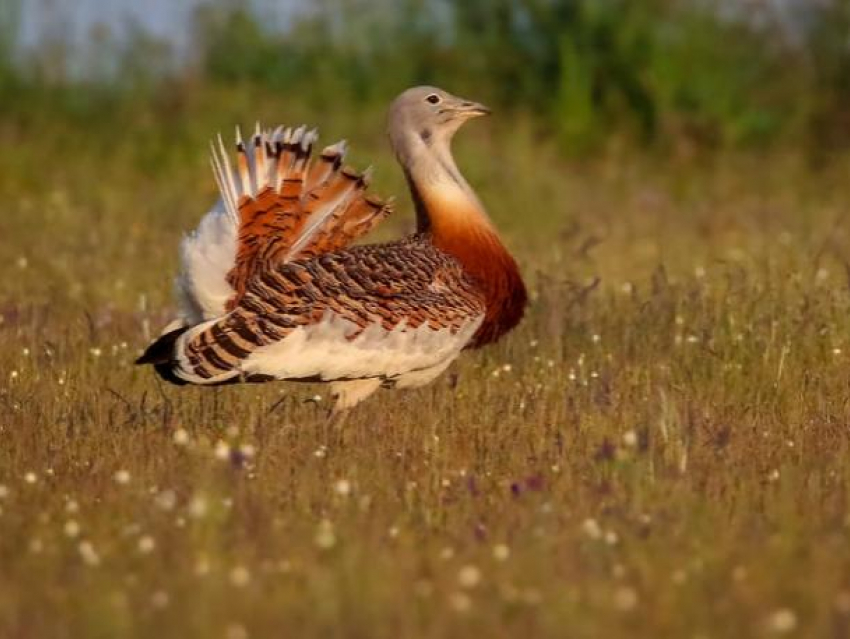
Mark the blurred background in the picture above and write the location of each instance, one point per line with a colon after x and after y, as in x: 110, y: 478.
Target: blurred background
x: 669, y: 76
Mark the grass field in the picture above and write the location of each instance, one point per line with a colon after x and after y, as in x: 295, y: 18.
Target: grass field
x: 660, y: 450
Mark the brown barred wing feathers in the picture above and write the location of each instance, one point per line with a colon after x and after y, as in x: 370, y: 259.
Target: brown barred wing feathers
x: 382, y: 311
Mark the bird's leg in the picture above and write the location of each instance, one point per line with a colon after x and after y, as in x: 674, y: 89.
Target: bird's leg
x: 336, y: 418
x: 349, y: 393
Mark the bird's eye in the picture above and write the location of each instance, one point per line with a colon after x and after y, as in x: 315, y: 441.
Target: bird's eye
x: 433, y: 98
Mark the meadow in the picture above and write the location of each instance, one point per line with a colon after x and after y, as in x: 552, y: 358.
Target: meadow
x: 659, y: 450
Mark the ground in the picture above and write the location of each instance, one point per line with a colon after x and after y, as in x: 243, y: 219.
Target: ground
x: 660, y: 450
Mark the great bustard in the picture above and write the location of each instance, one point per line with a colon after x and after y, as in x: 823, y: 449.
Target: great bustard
x: 270, y: 288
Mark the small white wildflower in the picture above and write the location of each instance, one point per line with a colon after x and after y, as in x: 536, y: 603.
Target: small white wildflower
x: 423, y: 588
x: 460, y: 602
x: 501, y: 552
x: 591, y: 528
x: 197, y: 507
x: 630, y: 438
x: 596, y: 338
x: 774, y: 475
x: 316, y: 398
x: 88, y: 553
x: 842, y: 602
x: 507, y: 368
x: 72, y: 528
x: 836, y: 351
x: 320, y: 452
x: 248, y: 451
x: 95, y: 352
x: 181, y: 437
x: 146, y: 544
x: 625, y: 599
x: 699, y: 272
x: 222, y: 450
x: 342, y: 487
x: 166, y: 500
x: 611, y: 538
x: 202, y: 567
x: 240, y: 576
x: 4, y: 491
x: 122, y: 477
x: 30, y: 477
x: 782, y: 621
x: 160, y: 599
x: 72, y: 506
x: 236, y: 631
x: 393, y: 532
x: 325, y: 537
x: 469, y: 576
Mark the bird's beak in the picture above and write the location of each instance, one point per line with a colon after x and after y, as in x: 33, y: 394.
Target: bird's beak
x: 471, y: 109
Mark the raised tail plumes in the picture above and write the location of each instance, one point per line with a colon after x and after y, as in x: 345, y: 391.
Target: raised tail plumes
x: 277, y: 204
x: 287, y: 206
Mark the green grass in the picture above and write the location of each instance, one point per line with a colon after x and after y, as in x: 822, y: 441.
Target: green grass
x: 660, y: 450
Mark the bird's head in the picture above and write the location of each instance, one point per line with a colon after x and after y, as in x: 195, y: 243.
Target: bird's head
x: 428, y: 116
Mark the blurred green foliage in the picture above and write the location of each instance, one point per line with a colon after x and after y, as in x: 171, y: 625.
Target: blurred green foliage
x: 665, y: 73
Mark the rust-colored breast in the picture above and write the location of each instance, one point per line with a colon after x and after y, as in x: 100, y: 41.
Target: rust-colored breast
x: 468, y: 236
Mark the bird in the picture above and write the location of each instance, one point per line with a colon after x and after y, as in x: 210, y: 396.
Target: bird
x: 273, y: 287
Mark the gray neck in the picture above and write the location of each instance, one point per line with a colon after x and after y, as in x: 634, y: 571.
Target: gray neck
x: 430, y: 167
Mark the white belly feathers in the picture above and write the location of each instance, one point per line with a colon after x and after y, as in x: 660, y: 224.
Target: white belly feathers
x: 324, y: 352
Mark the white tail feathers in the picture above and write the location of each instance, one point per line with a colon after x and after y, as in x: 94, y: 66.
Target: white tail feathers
x: 266, y: 161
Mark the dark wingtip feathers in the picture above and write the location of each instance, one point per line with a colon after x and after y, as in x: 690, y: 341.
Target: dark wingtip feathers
x: 162, y: 348
x: 160, y: 354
